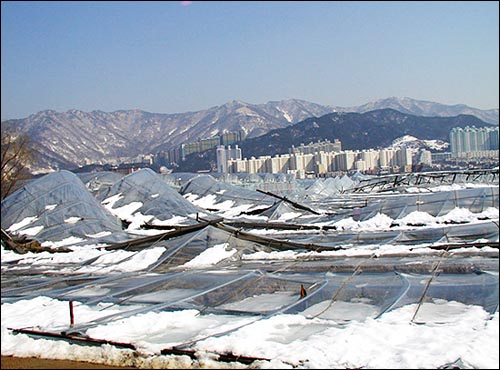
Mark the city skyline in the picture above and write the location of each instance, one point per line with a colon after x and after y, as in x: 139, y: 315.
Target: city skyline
x: 172, y: 57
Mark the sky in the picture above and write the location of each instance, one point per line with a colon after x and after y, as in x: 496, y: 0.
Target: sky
x: 180, y: 56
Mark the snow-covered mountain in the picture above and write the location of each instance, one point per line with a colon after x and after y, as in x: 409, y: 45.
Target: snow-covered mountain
x: 74, y: 138
x: 411, y: 142
x: 424, y: 108
x: 357, y: 131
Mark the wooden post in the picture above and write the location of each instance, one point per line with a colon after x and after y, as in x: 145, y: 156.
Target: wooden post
x: 71, y: 315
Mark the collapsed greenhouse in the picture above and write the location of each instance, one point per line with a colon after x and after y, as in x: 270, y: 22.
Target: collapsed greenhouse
x: 215, y: 258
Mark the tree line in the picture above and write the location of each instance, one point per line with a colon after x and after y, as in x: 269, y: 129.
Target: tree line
x: 17, y: 155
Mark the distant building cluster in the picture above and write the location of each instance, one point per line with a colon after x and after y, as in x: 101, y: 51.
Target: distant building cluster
x: 320, y: 146
x: 315, y: 159
x: 472, y: 142
x: 178, y: 154
x: 325, y: 158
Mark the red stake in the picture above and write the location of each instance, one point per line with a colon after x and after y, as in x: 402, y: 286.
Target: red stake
x: 71, y: 316
x: 303, y: 291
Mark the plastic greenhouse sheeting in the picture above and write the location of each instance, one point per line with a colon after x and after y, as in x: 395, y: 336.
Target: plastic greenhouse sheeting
x: 330, y: 261
x: 365, y: 206
x: 256, y: 294
x: 182, y: 250
x: 221, y: 197
x: 424, y: 181
x: 59, y: 206
x: 97, y: 181
x: 331, y: 186
x: 151, y: 197
x: 398, y: 206
x: 177, y: 179
x: 484, y: 230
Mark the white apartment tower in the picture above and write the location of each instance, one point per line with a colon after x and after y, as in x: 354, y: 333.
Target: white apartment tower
x: 472, y: 139
x: 224, y: 155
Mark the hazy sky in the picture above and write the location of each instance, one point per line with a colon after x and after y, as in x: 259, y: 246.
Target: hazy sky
x: 173, y: 56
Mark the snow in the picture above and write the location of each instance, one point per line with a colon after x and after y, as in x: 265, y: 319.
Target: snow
x: 72, y: 220
x: 62, y: 243
x: 225, y: 208
x: 21, y: 224
x: 99, y: 235
x: 209, y: 202
x: 125, y: 212
x: 438, y: 188
x: 32, y: 231
x: 285, y: 114
x: 383, y: 222
x: 292, y: 341
x: 175, y: 220
x: 128, y: 213
x: 123, y: 261
x: 413, y: 142
x: 210, y: 256
x: 417, y: 218
x: 367, y: 251
x: 379, y: 221
x: 288, y: 216
x: 112, y: 200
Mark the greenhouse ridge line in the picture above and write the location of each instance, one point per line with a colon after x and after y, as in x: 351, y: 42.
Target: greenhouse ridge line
x: 391, y: 181
x: 285, y: 199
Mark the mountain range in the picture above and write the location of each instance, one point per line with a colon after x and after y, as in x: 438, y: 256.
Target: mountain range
x: 425, y: 108
x: 381, y: 128
x: 75, y: 138
x: 356, y: 131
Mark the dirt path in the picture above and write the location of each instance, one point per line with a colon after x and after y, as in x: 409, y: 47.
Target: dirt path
x: 9, y: 362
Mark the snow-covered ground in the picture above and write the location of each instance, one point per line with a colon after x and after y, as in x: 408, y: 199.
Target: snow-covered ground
x: 290, y: 341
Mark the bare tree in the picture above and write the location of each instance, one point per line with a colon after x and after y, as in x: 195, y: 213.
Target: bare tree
x: 17, y: 154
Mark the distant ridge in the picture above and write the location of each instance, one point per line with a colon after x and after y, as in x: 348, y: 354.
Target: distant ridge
x: 375, y: 129
x: 425, y: 108
x: 66, y: 140
x: 372, y: 129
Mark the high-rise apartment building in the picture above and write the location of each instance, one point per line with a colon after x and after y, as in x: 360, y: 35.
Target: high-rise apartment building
x: 471, y: 139
x: 224, y: 155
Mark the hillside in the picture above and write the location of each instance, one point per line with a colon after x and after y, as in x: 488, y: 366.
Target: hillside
x: 66, y: 140
x: 374, y: 129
